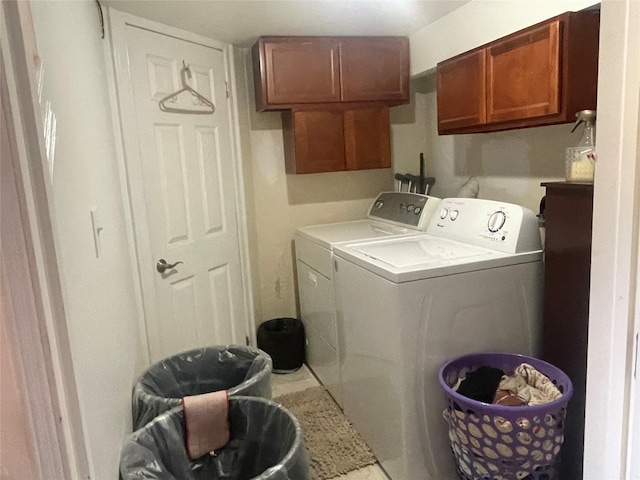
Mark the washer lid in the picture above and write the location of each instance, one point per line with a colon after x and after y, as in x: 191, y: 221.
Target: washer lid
x: 426, y: 256
x: 421, y: 252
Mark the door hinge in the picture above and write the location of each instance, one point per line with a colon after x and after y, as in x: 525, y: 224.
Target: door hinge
x: 226, y: 85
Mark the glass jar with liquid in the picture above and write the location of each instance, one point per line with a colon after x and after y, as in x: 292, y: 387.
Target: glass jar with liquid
x: 580, y: 161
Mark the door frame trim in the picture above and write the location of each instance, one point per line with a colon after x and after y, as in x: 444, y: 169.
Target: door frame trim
x: 611, y: 401
x: 116, y: 22
x: 44, y: 357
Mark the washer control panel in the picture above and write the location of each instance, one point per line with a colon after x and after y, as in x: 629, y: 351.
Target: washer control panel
x: 410, y: 210
x: 487, y: 223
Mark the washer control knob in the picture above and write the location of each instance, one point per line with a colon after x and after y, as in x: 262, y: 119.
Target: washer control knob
x: 379, y: 204
x: 443, y: 213
x: 417, y: 210
x: 454, y: 214
x: 496, y: 221
x: 410, y: 207
x: 403, y: 206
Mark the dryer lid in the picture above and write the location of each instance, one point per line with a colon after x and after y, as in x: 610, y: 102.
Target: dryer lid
x: 331, y: 234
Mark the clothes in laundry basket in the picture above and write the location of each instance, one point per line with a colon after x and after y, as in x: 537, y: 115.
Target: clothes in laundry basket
x: 527, y: 386
x: 498, y: 441
x: 481, y: 384
x: 540, y: 389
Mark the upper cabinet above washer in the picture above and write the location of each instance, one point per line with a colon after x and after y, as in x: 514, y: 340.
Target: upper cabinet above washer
x: 290, y: 71
x: 374, y: 69
x: 541, y: 75
x: 294, y: 71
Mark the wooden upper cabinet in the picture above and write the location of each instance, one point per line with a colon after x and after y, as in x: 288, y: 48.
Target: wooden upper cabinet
x: 367, y: 138
x: 295, y: 71
x: 313, y: 141
x: 523, y: 74
x: 541, y: 75
x: 461, y: 91
x: 374, y: 69
x: 332, y: 140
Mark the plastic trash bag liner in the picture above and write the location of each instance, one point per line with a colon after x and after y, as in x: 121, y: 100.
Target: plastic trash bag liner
x: 266, y: 444
x: 240, y: 370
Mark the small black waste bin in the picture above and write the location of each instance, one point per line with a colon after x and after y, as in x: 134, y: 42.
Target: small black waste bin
x: 157, y: 451
x: 283, y: 339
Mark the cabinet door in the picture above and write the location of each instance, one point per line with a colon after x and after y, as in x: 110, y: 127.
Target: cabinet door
x: 461, y: 91
x: 367, y: 140
x: 523, y: 73
x: 314, y: 141
x: 301, y: 70
x: 375, y: 69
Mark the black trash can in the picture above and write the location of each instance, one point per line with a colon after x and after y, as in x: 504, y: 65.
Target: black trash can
x: 265, y: 444
x: 283, y: 339
x: 239, y: 369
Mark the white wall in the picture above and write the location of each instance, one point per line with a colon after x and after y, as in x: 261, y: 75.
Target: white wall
x: 100, y: 307
x: 478, y: 22
x: 282, y: 203
x: 509, y: 165
x: 409, y: 133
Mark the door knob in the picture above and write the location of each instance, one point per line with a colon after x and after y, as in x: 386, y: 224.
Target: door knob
x: 162, y: 265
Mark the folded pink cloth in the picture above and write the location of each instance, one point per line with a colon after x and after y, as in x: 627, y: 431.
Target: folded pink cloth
x: 206, y: 419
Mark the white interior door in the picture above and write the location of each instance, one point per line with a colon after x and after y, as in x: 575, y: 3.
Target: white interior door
x: 182, y: 189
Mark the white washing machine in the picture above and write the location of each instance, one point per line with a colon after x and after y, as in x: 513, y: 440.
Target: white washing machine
x: 472, y: 283
x: 392, y: 215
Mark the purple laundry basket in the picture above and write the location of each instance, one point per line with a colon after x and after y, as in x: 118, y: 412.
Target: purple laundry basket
x: 496, y: 442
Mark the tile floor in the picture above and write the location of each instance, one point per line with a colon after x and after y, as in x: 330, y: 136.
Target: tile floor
x: 302, y: 379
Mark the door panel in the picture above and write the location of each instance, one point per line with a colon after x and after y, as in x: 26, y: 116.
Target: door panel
x: 367, y: 138
x: 314, y: 141
x: 302, y: 72
x: 374, y: 69
x: 187, y: 209
x: 210, y: 174
x: 523, y: 75
x: 461, y: 91
x: 174, y: 202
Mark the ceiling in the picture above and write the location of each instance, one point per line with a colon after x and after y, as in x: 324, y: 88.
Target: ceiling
x: 241, y: 22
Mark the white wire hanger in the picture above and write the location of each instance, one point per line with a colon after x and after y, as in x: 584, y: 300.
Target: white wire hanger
x: 165, y: 103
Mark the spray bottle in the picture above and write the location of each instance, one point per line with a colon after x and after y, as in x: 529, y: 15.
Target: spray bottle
x: 580, y: 160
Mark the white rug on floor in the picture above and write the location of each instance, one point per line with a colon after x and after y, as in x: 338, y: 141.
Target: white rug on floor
x: 334, y: 446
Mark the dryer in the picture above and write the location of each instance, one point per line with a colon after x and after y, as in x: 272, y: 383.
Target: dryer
x: 391, y: 215
x: 471, y: 283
